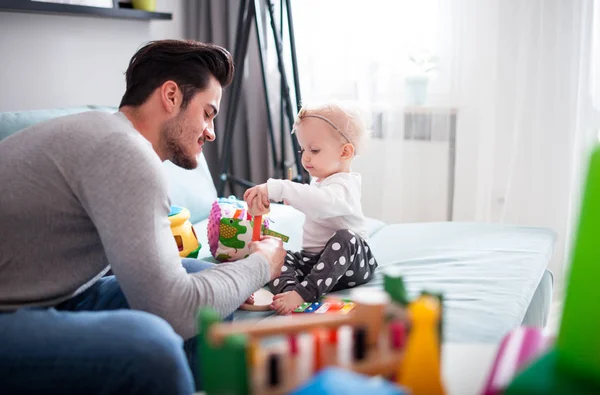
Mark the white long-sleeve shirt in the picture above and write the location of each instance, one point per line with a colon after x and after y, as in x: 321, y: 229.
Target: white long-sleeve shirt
x: 329, y: 205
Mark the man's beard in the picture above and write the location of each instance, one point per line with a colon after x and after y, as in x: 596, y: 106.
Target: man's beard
x: 171, y: 136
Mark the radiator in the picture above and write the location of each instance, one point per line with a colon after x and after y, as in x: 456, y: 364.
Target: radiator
x: 409, y: 167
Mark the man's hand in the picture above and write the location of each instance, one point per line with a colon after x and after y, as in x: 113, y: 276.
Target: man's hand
x: 272, y: 249
x: 257, y: 199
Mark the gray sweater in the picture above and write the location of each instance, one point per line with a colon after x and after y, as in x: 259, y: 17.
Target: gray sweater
x: 85, y: 191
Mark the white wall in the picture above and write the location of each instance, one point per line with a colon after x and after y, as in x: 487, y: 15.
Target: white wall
x: 50, y: 61
x: 411, y: 188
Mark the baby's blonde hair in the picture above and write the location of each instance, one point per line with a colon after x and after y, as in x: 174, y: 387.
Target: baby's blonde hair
x: 345, y: 120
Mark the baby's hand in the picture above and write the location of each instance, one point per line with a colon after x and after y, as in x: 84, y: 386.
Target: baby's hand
x: 257, y: 199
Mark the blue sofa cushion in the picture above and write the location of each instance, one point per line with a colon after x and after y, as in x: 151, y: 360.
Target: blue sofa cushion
x: 192, y: 189
x: 12, y: 122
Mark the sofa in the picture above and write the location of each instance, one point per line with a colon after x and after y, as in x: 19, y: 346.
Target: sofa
x: 493, y: 276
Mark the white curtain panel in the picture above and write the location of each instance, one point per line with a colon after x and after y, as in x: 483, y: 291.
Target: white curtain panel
x: 508, y: 117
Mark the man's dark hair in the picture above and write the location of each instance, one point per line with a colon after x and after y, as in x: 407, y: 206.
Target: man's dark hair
x: 188, y: 63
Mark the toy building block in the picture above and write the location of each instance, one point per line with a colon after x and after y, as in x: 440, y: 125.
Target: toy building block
x: 394, y: 286
x: 420, y: 370
x: 573, y: 367
x: 332, y: 381
x: 223, y: 367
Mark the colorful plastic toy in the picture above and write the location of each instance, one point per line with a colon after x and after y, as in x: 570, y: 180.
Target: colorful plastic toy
x: 518, y: 348
x: 326, y: 305
x: 332, y: 381
x: 420, y: 370
x: 307, y: 307
x: 394, y: 286
x: 184, y: 233
x: 230, y: 229
x: 279, y: 356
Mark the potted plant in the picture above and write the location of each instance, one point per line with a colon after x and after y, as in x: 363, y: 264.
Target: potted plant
x: 417, y: 80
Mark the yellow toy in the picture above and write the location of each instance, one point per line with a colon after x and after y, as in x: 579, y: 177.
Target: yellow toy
x: 420, y: 368
x: 184, y: 233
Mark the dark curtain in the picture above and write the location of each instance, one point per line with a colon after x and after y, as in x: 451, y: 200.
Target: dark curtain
x: 215, y: 21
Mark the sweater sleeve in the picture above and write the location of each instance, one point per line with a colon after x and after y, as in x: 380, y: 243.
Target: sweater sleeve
x: 331, y: 200
x: 124, y: 191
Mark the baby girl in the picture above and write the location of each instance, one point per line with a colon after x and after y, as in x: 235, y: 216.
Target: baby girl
x: 335, y: 254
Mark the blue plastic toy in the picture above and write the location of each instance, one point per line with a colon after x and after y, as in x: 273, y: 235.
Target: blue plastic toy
x: 333, y: 380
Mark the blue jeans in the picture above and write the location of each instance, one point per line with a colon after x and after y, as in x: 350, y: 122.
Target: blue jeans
x: 93, y: 344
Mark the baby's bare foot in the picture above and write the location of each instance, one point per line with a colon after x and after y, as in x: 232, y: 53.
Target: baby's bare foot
x: 286, y: 302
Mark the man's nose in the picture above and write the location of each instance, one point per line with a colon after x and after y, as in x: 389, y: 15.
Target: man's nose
x: 209, y: 133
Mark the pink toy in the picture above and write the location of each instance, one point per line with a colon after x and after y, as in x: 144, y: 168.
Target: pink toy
x: 214, y: 219
x: 230, y: 229
x: 517, y: 350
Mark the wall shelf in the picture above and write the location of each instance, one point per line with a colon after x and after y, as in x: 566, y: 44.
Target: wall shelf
x: 29, y: 6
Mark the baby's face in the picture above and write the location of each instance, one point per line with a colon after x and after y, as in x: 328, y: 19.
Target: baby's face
x: 321, y: 147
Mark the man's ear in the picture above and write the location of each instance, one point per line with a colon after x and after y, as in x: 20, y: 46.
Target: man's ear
x: 170, y: 96
x: 347, y: 151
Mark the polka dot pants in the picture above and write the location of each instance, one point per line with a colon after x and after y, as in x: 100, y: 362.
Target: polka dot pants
x: 345, y: 262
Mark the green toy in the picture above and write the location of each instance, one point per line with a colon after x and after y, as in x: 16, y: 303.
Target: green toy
x: 230, y: 229
x: 224, y: 369
x: 573, y: 366
x: 394, y: 286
